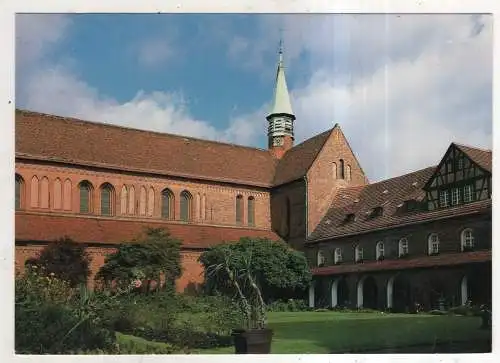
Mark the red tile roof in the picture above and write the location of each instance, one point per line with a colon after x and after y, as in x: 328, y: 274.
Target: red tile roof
x: 297, y: 161
x: 399, y: 264
x: 46, y: 228
x: 481, y: 157
x: 98, y: 144
x: 390, y: 195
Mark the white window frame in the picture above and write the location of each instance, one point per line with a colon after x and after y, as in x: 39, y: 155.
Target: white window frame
x: 433, y: 243
x: 444, y: 198
x: 455, y: 196
x: 358, y: 254
x: 380, y: 252
x: 320, y: 259
x: 468, y: 192
x: 403, y: 247
x: 467, y: 241
x: 337, y: 255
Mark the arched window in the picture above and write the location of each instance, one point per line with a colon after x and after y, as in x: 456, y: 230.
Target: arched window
x: 342, y: 170
x: 380, y: 253
x: 19, y: 192
x: 358, y: 254
x: 239, y: 209
x: 251, y: 211
x: 167, y: 204
x: 203, y: 206
x: 467, y: 240
x: 337, y: 258
x: 403, y: 247
x: 106, y: 199
x: 348, y: 172
x: 334, y: 170
x: 123, y: 200
x: 186, y: 209
x: 57, y: 201
x: 433, y: 244
x: 85, y: 197
x: 321, y: 259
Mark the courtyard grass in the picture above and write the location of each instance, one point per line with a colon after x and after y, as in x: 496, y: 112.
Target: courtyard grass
x: 340, y: 332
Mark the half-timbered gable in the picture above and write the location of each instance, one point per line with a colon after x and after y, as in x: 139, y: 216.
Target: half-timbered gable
x: 461, y: 177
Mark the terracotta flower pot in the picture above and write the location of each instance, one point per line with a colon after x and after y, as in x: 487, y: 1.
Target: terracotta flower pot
x: 252, y: 341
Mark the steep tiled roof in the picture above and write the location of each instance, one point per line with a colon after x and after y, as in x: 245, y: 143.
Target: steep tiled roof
x: 390, y: 195
x: 417, y: 262
x: 47, y: 228
x: 297, y: 161
x: 97, y: 144
x: 480, y: 156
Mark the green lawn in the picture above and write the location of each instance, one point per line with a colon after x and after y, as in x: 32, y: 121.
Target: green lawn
x: 330, y: 332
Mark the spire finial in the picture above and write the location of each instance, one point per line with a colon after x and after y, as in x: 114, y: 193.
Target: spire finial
x: 281, y: 46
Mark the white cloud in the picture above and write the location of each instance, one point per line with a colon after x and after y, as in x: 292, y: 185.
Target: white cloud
x: 54, y: 88
x: 402, y: 88
x: 154, y: 52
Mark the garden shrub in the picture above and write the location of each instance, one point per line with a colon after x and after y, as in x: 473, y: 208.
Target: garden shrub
x: 128, y: 344
x: 50, y: 317
x: 466, y: 310
x: 438, y: 312
x: 292, y: 305
x: 64, y: 259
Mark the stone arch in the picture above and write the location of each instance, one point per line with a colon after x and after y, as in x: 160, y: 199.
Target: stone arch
x: 339, y: 292
x: 398, y: 293
x: 367, y: 292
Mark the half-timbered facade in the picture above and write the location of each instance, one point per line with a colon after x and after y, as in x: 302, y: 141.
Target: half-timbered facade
x: 422, y: 238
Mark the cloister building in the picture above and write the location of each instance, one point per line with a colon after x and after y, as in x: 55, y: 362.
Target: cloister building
x: 417, y: 237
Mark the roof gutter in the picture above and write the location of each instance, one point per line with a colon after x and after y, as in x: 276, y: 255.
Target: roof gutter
x: 322, y: 239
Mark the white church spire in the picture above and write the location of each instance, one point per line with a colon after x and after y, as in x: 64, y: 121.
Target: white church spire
x: 281, y: 118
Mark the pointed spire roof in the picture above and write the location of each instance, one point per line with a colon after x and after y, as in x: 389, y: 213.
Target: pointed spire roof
x: 281, y: 102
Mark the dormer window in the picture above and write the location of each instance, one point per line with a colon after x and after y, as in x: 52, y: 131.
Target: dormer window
x: 377, y: 211
x: 411, y: 205
x: 351, y: 217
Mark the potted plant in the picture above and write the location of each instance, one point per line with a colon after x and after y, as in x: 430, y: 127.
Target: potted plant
x: 255, y: 337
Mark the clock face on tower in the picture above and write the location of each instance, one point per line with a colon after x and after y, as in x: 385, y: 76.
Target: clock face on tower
x: 278, y: 141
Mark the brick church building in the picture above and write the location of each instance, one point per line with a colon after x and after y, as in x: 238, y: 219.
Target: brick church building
x: 418, y: 237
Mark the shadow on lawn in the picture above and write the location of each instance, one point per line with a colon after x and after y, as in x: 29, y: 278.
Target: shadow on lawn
x: 395, y: 335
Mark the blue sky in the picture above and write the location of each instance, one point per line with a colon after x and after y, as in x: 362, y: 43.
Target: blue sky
x: 401, y: 87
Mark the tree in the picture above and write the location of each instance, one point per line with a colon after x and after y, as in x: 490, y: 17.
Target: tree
x: 279, y: 271
x: 66, y: 259
x: 149, y: 257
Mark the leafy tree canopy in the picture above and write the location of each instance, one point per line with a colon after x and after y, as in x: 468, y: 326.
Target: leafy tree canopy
x: 280, y: 271
x: 66, y: 259
x: 151, y: 255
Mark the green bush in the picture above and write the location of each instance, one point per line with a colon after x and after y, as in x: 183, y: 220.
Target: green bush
x: 52, y: 318
x: 291, y: 305
x: 128, y: 344
x: 438, y: 312
x: 466, y: 310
